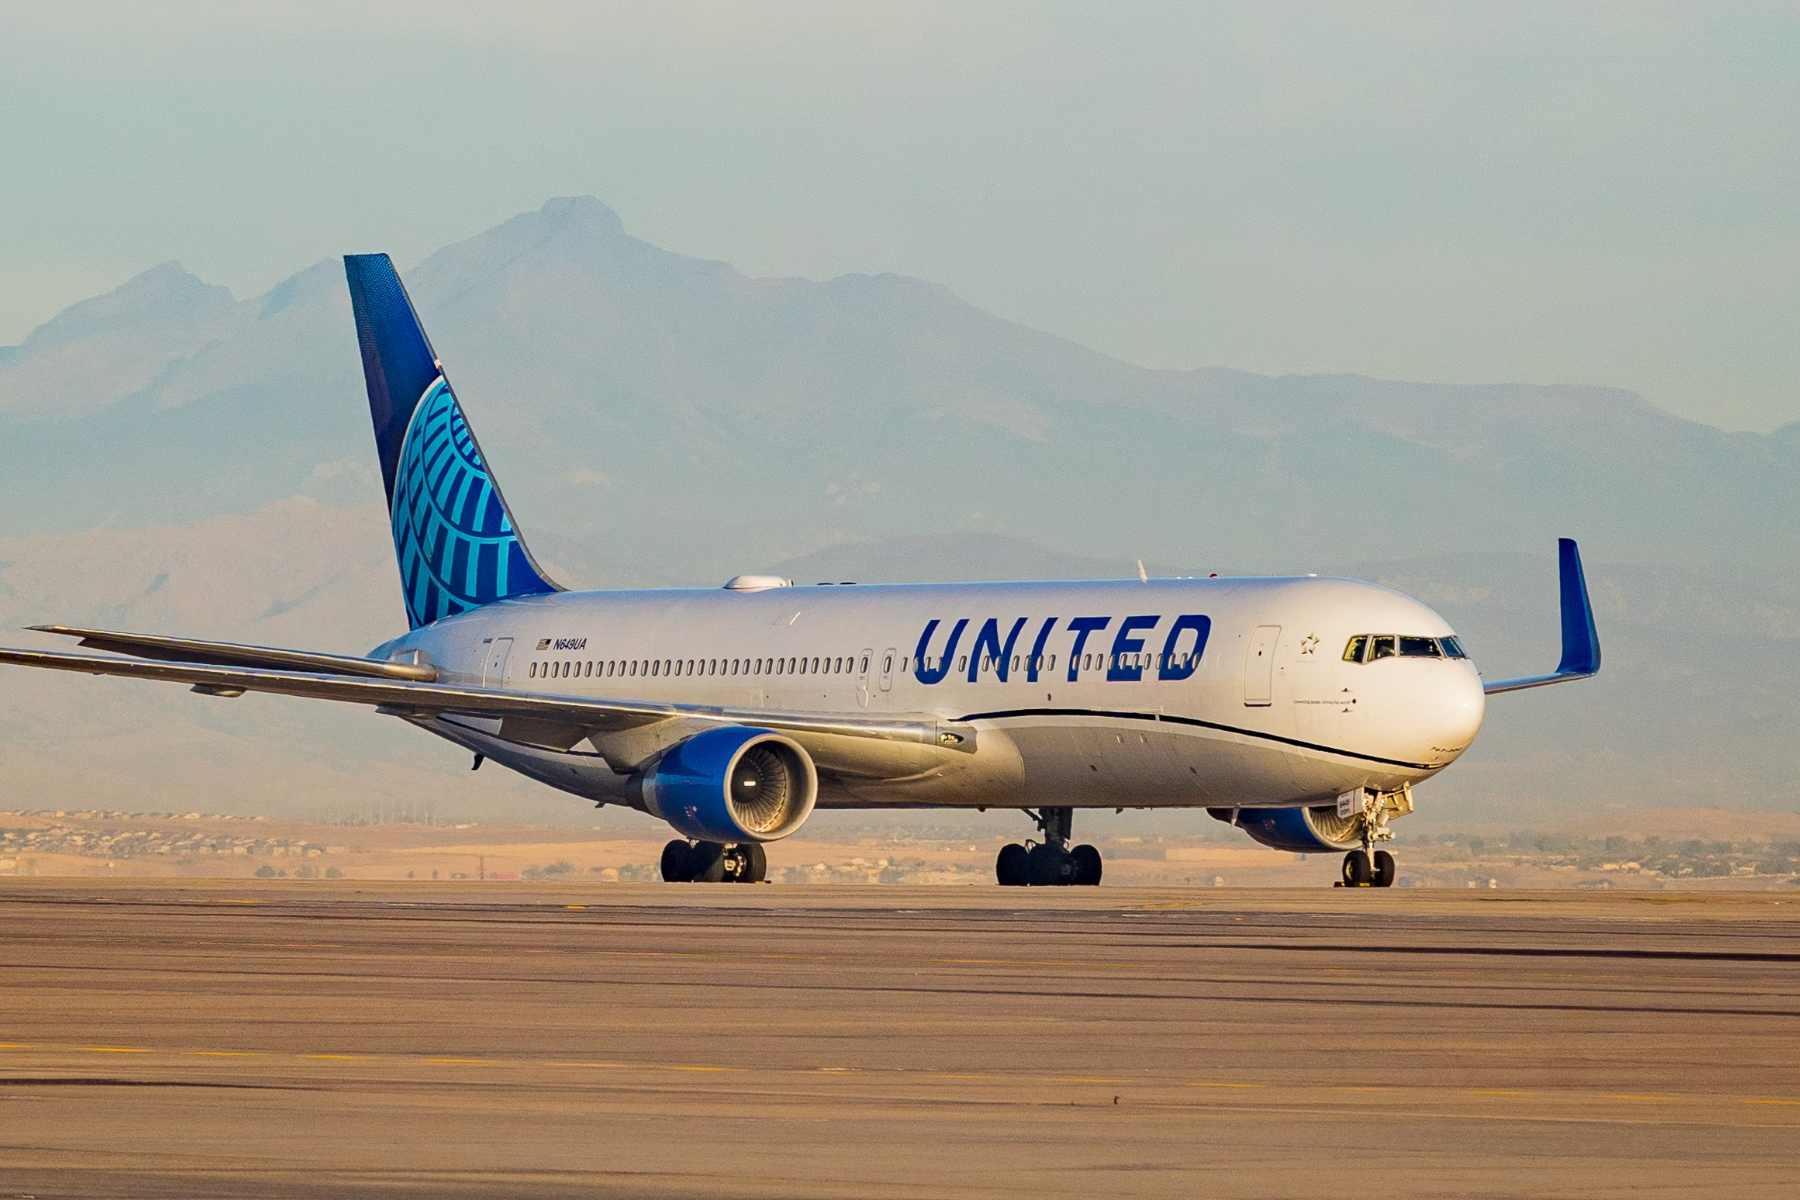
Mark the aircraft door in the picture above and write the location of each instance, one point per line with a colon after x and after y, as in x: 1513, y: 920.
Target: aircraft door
x: 1259, y: 666
x: 888, y: 658
x: 493, y: 672
x: 862, y: 677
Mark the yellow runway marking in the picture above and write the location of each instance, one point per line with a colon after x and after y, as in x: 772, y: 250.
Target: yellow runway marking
x: 1493, y: 1092
x: 486, y: 1062
x: 673, y: 1067
x: 1630, y: 1096
x: 1209, y: 1083
x: 946, y: 1075
x: 342, y: 1056
x: 115, y: 1049
x: 1760, y: 1101
x: 223, y: 1053
x: 1080, y: 1079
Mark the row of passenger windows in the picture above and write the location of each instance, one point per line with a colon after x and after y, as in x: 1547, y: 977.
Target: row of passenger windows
x: 652, y: 667
x: 1367, y: 647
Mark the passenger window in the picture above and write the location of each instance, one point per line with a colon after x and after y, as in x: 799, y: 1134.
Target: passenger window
x: 1418, y: 647
x: 1381, y: 647
x: 1354, y: 651
x: 865, y: 664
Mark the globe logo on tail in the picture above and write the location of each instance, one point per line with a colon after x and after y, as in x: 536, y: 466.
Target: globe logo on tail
x: 455, y: 541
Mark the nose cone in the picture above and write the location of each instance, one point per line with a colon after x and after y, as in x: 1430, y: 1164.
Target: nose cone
x: 1451, y: 712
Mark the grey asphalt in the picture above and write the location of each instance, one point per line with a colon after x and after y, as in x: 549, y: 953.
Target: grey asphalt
x: 286, y: 1039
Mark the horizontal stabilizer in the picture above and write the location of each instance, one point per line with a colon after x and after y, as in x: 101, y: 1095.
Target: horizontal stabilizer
x: 1580, y: 640
x: 230, y: 654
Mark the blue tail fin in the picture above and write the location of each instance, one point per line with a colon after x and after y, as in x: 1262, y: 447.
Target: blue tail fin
x: 453, y: 534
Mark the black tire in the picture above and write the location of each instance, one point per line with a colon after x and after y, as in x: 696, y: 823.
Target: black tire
x: 1384, y: 870
x: 1086, y: 863
x: 706, y: 863
x: 1357, y: 869
x: 1013, y: 867
x: 756, y: 863
x: 677, y: 862
x: 1049, y: 865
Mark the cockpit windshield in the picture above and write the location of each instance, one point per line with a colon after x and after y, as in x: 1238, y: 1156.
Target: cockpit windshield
x: 1367, y: 647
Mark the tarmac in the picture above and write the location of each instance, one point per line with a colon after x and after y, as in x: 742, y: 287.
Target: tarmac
x: 237, y: 1038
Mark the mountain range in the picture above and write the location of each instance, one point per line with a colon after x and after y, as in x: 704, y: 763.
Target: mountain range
x: 188, y: 462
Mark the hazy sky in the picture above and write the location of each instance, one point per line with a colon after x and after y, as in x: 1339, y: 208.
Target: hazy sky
x: 1557, y: 192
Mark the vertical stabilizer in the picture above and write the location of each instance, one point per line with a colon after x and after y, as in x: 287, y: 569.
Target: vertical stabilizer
x: 453, y: 534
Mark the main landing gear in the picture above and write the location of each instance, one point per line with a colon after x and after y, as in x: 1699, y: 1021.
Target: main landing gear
x: 1050, y: 863
x: 712, y: 862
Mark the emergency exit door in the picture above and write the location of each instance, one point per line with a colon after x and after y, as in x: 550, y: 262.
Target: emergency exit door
x: 1259, y: 665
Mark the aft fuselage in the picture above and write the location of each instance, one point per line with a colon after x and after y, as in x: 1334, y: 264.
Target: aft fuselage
x: 1172, y: 693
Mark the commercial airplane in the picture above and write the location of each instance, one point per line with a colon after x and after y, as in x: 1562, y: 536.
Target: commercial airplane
x: 1300, y: 710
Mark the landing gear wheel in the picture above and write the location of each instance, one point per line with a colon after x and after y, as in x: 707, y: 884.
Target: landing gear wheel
x: 677, y: 862
x: 746, y: 862
x: 1358, y: 870
x: 1086, y: 863
x: 1383, y: 874
x: 1013, y: 867
x: 706, y: 862
x: 1050, y: 865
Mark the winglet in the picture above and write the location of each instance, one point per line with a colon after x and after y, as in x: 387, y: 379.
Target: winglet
x: 1580, y: 640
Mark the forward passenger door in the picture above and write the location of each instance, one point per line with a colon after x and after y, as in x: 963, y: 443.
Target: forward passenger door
x: 1259, y: 666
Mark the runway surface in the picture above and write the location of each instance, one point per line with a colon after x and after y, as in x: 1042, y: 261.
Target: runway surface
x: 238, y: 1039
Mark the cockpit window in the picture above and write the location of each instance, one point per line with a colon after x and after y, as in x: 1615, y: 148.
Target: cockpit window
x: 1367, y: 647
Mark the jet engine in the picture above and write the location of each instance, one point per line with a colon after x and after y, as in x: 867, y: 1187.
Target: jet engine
x: 732, y: 785
x: 1301, y: 830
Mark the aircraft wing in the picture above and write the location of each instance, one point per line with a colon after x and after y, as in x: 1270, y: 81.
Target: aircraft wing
x: 1580, y: 640
x: 191, y: 650
x: 414, y: 698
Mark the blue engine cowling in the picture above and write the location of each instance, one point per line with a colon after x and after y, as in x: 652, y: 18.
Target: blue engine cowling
x: 733, y: 784
x: 1301, y: 830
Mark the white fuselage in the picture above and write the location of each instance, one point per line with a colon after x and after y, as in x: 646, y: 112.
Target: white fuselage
x: 1270, y: 713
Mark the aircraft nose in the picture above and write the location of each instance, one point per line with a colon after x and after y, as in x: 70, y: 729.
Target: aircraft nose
x: 1455, y: 711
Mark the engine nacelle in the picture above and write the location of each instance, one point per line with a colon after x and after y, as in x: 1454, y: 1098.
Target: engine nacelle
x: 1301, y: 830
x: 732, y: 784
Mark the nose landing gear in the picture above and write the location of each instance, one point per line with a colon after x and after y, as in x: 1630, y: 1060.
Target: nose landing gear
x: 1371, y: 811
x: 1052, y: 862
x: 1363, y: 869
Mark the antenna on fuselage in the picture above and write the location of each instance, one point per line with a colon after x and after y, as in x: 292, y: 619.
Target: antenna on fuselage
x: 1142, y: 578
